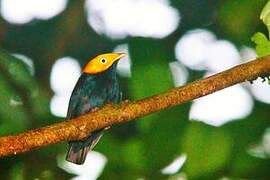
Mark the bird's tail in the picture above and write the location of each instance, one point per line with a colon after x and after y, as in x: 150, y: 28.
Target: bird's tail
x: 78, y: 149
x: 76, y: 155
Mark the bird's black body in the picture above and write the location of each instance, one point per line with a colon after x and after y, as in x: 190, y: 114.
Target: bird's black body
x: 91, y: 91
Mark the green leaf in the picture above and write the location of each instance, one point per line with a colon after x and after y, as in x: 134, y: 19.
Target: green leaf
x: 17, y: 171
x: 150, y: 73
x: 18, y: 92
x: 242, y: 14
x: 13, y: 117
x: 17, y: 69
x: 262, y: 44
x: 125, y: 159
x: 265, y: 15
x: 207, y: 148
x: 246, y: 133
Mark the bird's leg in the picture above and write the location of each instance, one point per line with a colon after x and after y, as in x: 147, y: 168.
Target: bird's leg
x: 126, y: 101
x: 95, y: 109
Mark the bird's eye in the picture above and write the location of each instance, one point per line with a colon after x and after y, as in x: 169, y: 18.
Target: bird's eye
x: 103, y: 60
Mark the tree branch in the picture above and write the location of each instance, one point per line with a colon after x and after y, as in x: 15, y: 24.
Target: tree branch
x: 80, y: 127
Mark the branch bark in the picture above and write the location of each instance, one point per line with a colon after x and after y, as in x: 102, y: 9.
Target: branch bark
x: 80, y: 127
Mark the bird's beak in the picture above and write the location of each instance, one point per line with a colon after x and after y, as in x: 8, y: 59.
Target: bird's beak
x: 119, y: 56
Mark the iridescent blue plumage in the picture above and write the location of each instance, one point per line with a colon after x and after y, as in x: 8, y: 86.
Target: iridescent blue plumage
x: 91, y: 91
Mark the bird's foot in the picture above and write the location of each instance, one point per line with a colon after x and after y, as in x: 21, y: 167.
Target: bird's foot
x: 95, y: 109
x: 126, y: 101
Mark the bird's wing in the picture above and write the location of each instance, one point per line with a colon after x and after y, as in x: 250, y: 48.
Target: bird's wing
x: 116, y: 93
x: 79, y: 102
x: 78, y: 105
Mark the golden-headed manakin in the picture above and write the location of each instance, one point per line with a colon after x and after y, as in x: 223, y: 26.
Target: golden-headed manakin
x: 96, y: 86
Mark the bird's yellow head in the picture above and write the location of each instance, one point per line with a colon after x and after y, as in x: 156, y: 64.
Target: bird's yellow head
x: 102, y: 62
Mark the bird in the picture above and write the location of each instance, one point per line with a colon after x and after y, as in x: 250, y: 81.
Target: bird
x: 97, y: 86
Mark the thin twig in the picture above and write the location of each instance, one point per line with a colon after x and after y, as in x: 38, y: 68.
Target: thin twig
x: 80, y: 127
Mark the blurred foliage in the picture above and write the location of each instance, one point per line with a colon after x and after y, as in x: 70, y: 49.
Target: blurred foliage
x: 261, y: 41
x: 265, y: 15
x: 262, y: 44
x: 239, y: 19
x: 138, y: 149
